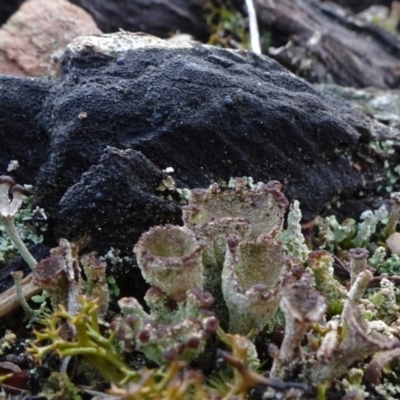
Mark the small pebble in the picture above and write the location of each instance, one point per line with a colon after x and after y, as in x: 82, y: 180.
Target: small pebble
x: 393, y: 242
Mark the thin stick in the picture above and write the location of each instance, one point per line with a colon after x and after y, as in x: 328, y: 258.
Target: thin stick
x: 9, y: 300
x: 254, y: 34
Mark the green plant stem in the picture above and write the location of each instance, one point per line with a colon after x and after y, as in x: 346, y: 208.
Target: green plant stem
x: 169, y: 374
x: 18, y: 243
x: 321, y: 391
x: 111, y: 368
x: 30, y: 313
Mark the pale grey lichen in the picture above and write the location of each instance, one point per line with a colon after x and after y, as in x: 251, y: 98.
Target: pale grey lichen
x: 170, y: 259
x: 321, y: 264
x: 233, y: 249
x: 342, y: 341
x: 392, y: 177
x: 13, y: 165
x: 244, y: 274
x: 60, y: 276
x: 385, y: 300
x: 332, y: 233
x: 302, y: 305
x: 378, y: 257
x: 251, y: 288
x: 172, y: 329
x: 30, y: 224
x: 238, y: 259
x: 365, y: 229
x: 96, y: 285
x: 349, y: 233
x: 229, y: 245
x: 354, y: 384
x: 353, y: 341
x: 11, y: 199
x: 292, y: 238
x: 358, y: 262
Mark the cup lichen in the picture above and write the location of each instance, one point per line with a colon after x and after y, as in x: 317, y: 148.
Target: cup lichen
x: 231, y: 266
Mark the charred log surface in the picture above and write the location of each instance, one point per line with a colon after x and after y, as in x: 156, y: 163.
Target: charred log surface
x: 209, y: 113
x: 21, y: 137
x: 157, y: 17
x: 325, y: 44
x: 120, y: 190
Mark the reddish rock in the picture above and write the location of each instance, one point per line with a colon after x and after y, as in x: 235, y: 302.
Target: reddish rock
x: 36, y: 35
